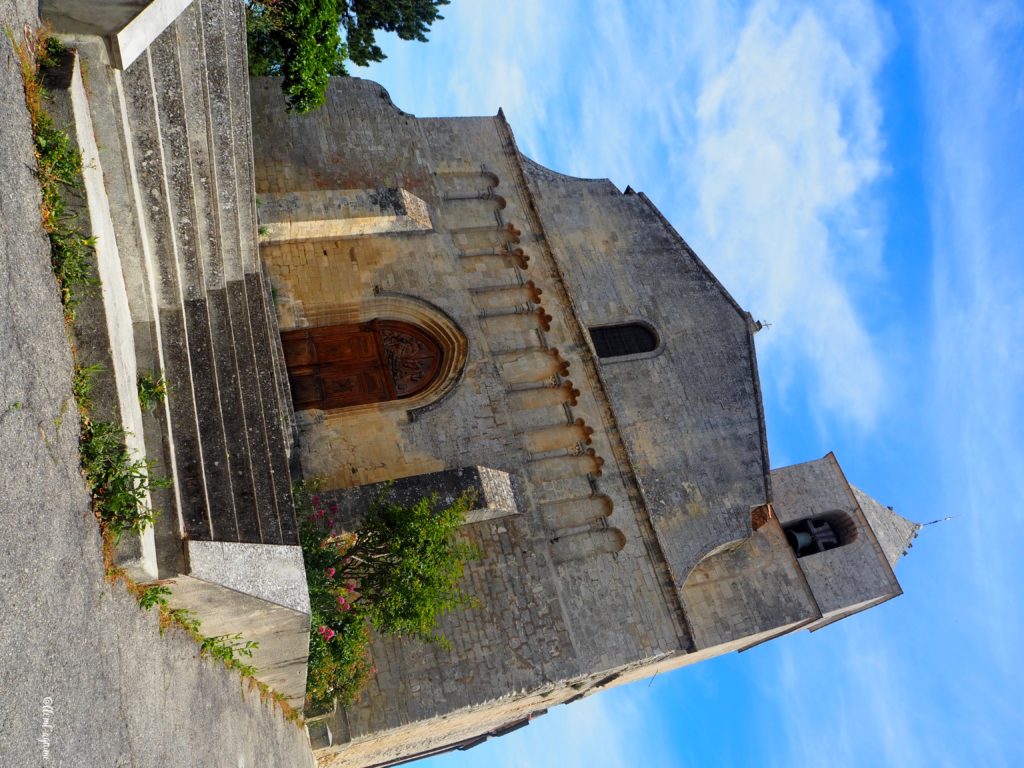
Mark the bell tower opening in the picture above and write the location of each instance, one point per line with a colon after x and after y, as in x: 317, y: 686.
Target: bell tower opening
x: 338, y: 366
x: 820, y: 534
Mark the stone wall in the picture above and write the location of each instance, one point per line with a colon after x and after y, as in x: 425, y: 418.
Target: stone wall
x: 690, y: 411
x: 626, y: 473
x: 746, y: 590
x: 571, y: 585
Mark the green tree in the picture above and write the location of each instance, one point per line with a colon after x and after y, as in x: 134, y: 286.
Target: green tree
x: 407, y: 563
x: 301, y: 39
x: 399, y: 571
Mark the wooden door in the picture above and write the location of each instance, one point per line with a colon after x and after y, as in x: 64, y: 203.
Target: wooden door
x: 343, y: 365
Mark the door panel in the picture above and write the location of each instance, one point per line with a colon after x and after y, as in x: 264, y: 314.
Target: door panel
x: 356, y: 347
x: 343, y: 365
x: 298, y: 348
x: 306, y: 389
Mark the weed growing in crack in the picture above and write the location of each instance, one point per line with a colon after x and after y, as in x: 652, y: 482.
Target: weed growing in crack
x: 120, y: 484
x: 156, y: 594
x: 58, y: 170
x: 152, y: 390
x: 230, y: 649
x: 81, y: 385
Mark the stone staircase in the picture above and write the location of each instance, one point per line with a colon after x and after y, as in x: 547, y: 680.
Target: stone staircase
x: 176, y: 149
x: 170, y: 194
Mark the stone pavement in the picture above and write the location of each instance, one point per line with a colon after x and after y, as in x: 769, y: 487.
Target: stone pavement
x: 86, y: 679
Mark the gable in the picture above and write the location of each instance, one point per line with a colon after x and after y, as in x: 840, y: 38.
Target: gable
x: 689, y: 412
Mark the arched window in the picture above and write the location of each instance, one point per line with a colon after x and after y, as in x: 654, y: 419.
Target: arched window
x: 622, y: 340
x: 820, y: 534
x: 337, y: 366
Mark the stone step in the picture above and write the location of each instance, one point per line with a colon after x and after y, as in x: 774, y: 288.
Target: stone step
x: 207, y: 54
x: 183, y: 294
x: 145, y: 156
x: 211, y: 152
x: 275, y: 398
x: 233, y: 19
x: 223, y: 27
x: 189, y: 261
x: 103, y: 332
x: 284, y: 392
x: 277, y: 412
x: 115, y: 151
x: 201, y: 34
x: 199, y: 299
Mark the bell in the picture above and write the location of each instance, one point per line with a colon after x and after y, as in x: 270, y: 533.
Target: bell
x: 799, y: 540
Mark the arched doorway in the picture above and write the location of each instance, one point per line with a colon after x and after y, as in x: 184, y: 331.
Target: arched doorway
x: 337, y: 366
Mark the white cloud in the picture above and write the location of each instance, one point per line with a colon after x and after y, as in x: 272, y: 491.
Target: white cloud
x: 841, y: 692
x: 788, y: 147
x: 971, y: 61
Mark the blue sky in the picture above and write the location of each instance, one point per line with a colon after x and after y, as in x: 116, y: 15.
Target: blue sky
x: 853, y: 174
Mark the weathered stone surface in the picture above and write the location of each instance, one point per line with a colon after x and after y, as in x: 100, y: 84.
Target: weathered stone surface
x: 339, y: 213
x: 265, y: 571
x: 632, y: 548
x: 491, y: 489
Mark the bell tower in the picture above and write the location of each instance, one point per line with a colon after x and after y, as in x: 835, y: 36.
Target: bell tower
x: 846, y: 543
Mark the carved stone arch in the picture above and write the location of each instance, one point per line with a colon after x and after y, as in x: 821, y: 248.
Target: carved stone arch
x: 395, y: 310
x: 463, y: 184
x: 578, y: 546
x: 710, y: 555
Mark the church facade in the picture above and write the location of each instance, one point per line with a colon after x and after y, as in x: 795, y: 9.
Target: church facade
x: 456, y: 317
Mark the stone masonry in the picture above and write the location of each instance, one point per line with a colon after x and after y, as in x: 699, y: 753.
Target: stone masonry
x: 638, y: 529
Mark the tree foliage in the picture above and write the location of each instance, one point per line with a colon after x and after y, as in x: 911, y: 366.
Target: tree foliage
x: 399, y: 572
x: 407, y: 563
x: 301, y: 40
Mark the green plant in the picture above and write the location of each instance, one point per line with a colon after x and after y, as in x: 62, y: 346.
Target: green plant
x: 58, y: 170
x: 59, y: 163
x: 71, y: 255
x: 49, y: 50
x: 183, y: 617
x: 152, y: 390
x: 301, y: 39
x: 81, y: 385
x: 230, y: 649
x: 399, y: 571
x: 408, y: 562
x: 156, y: 594
x: 119, y: 484
x: 339, y: 667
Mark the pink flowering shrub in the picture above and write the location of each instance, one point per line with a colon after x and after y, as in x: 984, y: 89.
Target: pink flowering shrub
x: 399, y: 572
